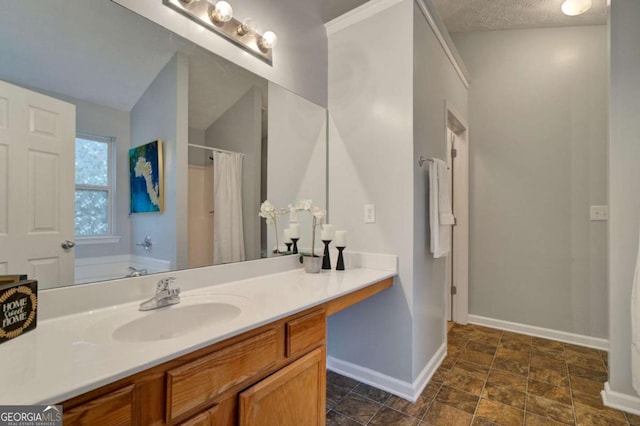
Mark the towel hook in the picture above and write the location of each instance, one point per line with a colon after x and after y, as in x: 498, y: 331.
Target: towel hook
x: 421, y: 161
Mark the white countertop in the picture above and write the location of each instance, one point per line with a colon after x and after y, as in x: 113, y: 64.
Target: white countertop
x: 69, y: 355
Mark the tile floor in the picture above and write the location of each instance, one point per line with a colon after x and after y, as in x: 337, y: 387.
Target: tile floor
x: 489, y: 377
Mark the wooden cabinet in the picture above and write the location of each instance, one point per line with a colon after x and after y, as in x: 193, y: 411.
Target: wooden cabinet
x: 208, y: 418
x: 202, y: 381
x: 272, y: 375
x: 114, y: 408
x: 293, y: 396
x: 203, y: 388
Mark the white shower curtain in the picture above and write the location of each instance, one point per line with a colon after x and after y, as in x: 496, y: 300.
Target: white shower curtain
x: 228, y: 237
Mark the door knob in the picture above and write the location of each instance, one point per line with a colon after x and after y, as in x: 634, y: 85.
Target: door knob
x: 67, y: 244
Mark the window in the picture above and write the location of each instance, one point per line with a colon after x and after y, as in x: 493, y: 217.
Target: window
x: 94, y: 185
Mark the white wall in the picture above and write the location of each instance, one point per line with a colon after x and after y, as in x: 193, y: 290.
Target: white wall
x: 299, y: 59
x: 434, y: 82
x: 239, y: 129
x: 371, y: 159
x: 624, y: 174
x: 538, y: 146
x: 296, y: 159
x: 161, y: 114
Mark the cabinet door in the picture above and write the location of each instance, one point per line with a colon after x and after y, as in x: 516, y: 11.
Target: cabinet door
x: 293, y: 396
x: 113, y: 409
x: 208, y: 418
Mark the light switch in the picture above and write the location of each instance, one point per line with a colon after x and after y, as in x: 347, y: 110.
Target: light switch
x: 599, y: 213
x: 369, y: 213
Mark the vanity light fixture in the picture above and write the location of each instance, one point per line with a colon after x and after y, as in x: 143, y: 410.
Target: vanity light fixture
x: 217, y: 16
x: 575, y: 7
x: 248, y: 26
x: 220, y: 12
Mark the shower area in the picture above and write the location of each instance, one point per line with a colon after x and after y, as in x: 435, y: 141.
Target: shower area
x: 226, y: 174
x: 219, y: 215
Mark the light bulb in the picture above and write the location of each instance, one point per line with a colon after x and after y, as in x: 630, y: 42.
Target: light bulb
x: 575, y: 7
x: 269, y: 40
x: 248, y: 26
x: 221, y: 12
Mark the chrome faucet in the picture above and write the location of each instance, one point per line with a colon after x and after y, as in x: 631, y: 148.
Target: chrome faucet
x: 165, y: 295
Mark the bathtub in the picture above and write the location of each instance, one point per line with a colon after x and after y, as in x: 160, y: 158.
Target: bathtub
x: 91, y: 269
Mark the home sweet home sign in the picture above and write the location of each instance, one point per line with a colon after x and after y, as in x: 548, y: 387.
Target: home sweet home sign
x: 18, y: 308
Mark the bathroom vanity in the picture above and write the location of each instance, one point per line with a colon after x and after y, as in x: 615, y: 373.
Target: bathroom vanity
x: 265, y: 365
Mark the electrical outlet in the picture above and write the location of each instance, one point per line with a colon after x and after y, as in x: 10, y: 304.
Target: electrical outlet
x: 369, y: 213
x: 599, y: 213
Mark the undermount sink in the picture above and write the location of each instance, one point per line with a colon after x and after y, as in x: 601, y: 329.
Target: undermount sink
x: 174, y: 321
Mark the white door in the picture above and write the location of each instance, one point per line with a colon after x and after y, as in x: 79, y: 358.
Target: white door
x: 37, y: 163
x: 449, y: 267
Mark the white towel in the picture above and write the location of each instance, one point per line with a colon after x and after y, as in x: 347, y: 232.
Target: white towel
x: 440, y: 216
x: 635, y: 327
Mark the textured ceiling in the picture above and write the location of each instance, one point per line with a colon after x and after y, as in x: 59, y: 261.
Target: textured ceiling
x: 479, y: 15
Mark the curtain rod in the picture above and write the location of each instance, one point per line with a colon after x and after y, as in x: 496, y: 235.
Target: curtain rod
x: 214, y: 149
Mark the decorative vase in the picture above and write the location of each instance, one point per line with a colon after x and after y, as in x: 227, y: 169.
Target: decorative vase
x: 312, y: 264
x: 295, y: 245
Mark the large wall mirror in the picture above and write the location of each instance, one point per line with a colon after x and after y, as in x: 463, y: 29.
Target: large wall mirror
x: 82, y: 83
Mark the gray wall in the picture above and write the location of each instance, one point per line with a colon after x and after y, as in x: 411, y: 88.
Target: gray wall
x: 239, y: 129
x: 624, y: 175
x: 434, y: 82
x: 370, y: 160
x: 300, y: 58
x: 538, y: 160
x: 158, y: 114
x: 383, y: 118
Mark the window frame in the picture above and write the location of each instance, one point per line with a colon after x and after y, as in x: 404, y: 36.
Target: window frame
x: 110, y: 236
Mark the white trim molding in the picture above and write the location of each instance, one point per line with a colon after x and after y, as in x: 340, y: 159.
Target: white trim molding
x: 105, y: 239
x: 406, y: 390
x: 441, y: 33
x: 547, y: 333
x: 373, y: 7
x: 620, y: 401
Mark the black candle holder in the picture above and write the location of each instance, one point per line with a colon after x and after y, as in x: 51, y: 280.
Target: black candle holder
x: 295, y: 245
x: 326, y: 261
x: 288, y: 247
x: 340, y: 264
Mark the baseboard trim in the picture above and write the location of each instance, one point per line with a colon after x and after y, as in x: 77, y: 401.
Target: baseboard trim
x: 406, y: 390
x: 620, y: 401
x: 547, y: 333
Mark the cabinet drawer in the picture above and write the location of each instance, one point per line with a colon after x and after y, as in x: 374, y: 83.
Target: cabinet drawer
x: 305, y: 332
x: 201, y: 381
x: 115, y: 408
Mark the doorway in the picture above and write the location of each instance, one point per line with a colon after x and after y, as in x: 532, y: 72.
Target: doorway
x: 457, y: 264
